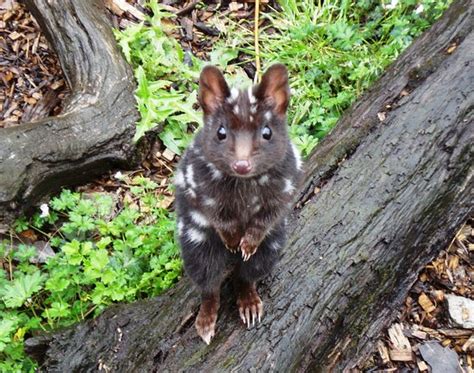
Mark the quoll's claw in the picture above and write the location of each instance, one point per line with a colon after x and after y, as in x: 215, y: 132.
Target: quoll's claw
x: 234, y: 250
x: 206, y: 334
x: 247, y: 249
x: 206, y: 326
x: 250, y: 308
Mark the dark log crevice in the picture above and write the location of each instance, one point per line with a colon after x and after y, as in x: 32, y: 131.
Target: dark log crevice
x: 392, y: 194
x: 94, y: 133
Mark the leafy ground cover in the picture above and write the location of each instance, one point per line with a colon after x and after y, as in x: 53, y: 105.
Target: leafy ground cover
x: 101, y: 248
x: 334, y: 50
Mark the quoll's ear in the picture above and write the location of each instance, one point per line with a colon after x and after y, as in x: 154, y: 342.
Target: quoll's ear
x: 213, y: 89
x: 274, y: 88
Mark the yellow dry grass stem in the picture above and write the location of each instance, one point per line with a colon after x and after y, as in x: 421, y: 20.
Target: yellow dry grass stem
x: 256, y: 45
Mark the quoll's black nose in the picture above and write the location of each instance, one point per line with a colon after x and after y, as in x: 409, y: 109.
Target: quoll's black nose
x: 242, y: 167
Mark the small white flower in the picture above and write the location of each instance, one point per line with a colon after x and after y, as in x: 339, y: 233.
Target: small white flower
x: 118, y: 175
x: 44, y: 210
x: 392, y: 5
x: 419, y: 9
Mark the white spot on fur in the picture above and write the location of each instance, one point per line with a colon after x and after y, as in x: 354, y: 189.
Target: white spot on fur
x: 190, y: 176
x: 234, y: 93
x: 195, y: 235
x: 275, y: 245
x: 209, y: 201
x: 191, y: 193
x: 180, y: 226
x: 257, y: 208
x: 199, y: 219
x: 235, y: 109
x: 268, y: 115
x: 179, y: 179
x: 252, y: 98
x: 197, y: 151
x: 289, y: 187
x: 215, y: 173
x: 263, y: 179
x: 296, y: 153
x: 228, y: 224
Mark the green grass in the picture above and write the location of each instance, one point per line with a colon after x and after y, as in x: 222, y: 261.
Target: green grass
x: 167, y: 78
x: 111, y: 250
x: 334, y: 51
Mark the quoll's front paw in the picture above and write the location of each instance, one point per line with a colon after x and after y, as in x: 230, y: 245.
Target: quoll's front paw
x: 232, y: 249
x: 248, y: 247
x: 230, y: 240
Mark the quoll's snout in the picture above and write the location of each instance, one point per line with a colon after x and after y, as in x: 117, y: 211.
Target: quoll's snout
x: 242, y: 167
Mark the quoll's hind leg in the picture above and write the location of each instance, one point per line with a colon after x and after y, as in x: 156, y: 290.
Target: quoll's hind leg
x: 247, y: 273
x: 207, y: 316
x: 207, y: 263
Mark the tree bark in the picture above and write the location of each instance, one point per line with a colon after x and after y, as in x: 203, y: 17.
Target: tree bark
x: 381, y: 198
x: 95, y: 130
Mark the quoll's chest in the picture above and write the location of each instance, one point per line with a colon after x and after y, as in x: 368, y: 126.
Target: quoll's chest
x: 242, y: 199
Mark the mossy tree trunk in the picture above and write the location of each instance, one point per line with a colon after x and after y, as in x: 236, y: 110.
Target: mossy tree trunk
x: 380, y: 200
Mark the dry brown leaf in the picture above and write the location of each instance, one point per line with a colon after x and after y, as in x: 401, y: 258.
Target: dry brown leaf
x: 422, y: 366
x: 234, y: 6
x: 383, y: 352
x: 419, y: 334
x: 452, y: 48
x: 168, y: 155
x: 15, y: 35
x: 426, y: 303
x: 438, y: 295
x: 401, y: 355
x: 126, y: 7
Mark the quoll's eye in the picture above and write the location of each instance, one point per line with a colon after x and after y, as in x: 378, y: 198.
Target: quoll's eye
x: 266, y: 133
x: 221, y: 133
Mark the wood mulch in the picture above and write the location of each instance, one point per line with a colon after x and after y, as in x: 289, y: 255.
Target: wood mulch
x: 32, y: 87
x: 31, y: 79
x: 425, y: 322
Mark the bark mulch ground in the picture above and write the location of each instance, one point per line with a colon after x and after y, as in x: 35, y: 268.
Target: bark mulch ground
x: 31, y: 79
x: 435, y: 326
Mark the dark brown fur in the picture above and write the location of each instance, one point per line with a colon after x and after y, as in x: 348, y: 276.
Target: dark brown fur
x: 229, y: 222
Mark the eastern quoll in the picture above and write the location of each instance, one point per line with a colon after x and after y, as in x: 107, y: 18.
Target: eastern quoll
x: 234, y: 186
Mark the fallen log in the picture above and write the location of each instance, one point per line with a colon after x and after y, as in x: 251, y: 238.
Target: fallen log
x: 94, y: 132
x: 383, y: 194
